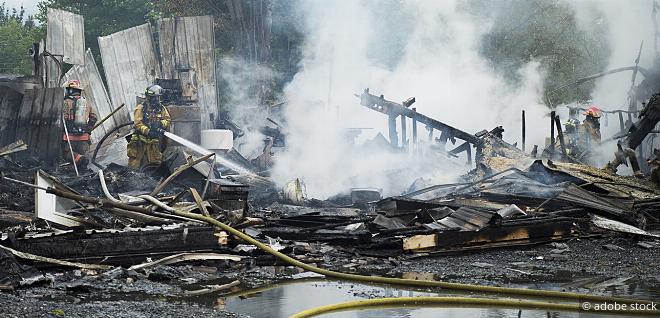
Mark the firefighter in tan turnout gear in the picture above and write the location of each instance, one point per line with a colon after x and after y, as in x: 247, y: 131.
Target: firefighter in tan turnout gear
x: 151, y: 120
x: 591, y: 126
x: 79, y: 118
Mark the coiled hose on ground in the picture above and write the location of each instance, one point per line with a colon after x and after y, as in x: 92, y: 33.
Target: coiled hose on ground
x: 580, y: 298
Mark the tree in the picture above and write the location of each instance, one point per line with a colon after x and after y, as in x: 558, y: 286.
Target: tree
x: 17, y: 34
x: 257, y: 34
x: 243, y: 35
x: 545, y: 31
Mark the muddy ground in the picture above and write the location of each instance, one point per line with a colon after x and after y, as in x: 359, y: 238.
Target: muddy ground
x: 612, y: 266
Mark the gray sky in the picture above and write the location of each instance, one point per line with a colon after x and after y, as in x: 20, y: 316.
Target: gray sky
x: 30, y: 5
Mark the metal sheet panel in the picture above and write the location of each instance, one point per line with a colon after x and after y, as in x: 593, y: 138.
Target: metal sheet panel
x: 38, y: 122
x: 185, y: 122
x: 10, y: 104
x: 130, y: 64
x: 187, y: 53
x: 97, y: 95
x: 50, y: 207
x: 65, y: 36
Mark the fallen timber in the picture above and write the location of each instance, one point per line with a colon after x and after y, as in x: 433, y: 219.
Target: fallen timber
x: 394, y: 110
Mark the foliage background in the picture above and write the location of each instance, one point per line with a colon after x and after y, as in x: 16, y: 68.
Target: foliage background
x: 519, y: 31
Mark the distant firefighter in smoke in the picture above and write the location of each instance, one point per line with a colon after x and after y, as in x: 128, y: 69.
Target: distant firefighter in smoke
x: 581, y: 138
x: 591, y: 126
x: 571, y: 132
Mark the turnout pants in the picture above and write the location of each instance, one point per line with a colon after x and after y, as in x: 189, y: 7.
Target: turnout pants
x: 143, y: 152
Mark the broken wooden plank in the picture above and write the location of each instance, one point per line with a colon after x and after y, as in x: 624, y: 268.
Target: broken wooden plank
x: 38, y: 258
x: 211, y: 289
x: 199, y: 202
x: 510, y: 233
x: 182, y: 257
x: 418, y: 242
x: 13, y: 147
x: 612, y: 225
x: 121, y: 247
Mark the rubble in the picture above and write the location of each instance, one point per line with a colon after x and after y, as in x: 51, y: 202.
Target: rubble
x: 122, y: 228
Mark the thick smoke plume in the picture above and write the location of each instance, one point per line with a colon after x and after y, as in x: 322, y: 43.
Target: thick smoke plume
x: 438, y: 62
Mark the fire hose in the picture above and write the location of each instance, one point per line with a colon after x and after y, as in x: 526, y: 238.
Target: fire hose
x: 511, y: 303
x: 397, y: 302
x: 582, y: 299
x: 100, y: 143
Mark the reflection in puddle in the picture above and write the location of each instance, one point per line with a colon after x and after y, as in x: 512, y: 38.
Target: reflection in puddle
x: 290, y: 297
x: 286, y: 299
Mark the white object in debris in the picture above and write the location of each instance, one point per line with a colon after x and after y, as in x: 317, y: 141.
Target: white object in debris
x: 295, y: 192
x: 217, y: 139
x: 605, y: 223
x: 47, y: 205
x: 510, y: 211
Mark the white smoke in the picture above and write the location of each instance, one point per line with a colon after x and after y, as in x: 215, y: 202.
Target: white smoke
x: 628, y: 24
x: 240, y: 79
x: 440, y: 66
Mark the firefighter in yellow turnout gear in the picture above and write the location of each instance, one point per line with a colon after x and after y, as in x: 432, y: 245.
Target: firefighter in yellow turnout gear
x: 151, y: 120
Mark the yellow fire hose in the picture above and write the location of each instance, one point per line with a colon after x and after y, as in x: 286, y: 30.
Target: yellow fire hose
x: 580, y: 298
x: 398, y: 302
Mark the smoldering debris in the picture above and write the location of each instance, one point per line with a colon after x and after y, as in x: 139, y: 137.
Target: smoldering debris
x: 308, y: 178
x: 509, y: 199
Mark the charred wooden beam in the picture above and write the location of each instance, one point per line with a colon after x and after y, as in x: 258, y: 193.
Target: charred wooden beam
x: 552, y: 134
x: 414, y: 127
x: 380, y: 104
x: 523, y: 130
x: 391, y: 123
x: 404, y: 132
x: 560, y: 134
x: 510, y: 233
x: 88, y: 245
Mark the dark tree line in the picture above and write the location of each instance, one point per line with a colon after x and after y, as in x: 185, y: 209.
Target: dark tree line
x: 266, y: 33
x: 17, y: 33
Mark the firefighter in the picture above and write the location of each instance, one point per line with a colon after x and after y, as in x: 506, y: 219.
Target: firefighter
x: 590, y: 128
x: 79, y: 118
x: 151, y: 120
x: 571, y: 132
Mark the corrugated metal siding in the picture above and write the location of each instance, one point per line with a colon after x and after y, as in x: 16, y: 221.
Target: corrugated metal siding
x: 10, y: 104
x: 130, y: 64
x: 96, y: 94
x: 66, y: 36
x: 36, y: 119
x: 187, y: 53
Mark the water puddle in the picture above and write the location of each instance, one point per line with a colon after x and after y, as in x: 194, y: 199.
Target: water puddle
x: 309, y: 290
x: 289, y: 297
